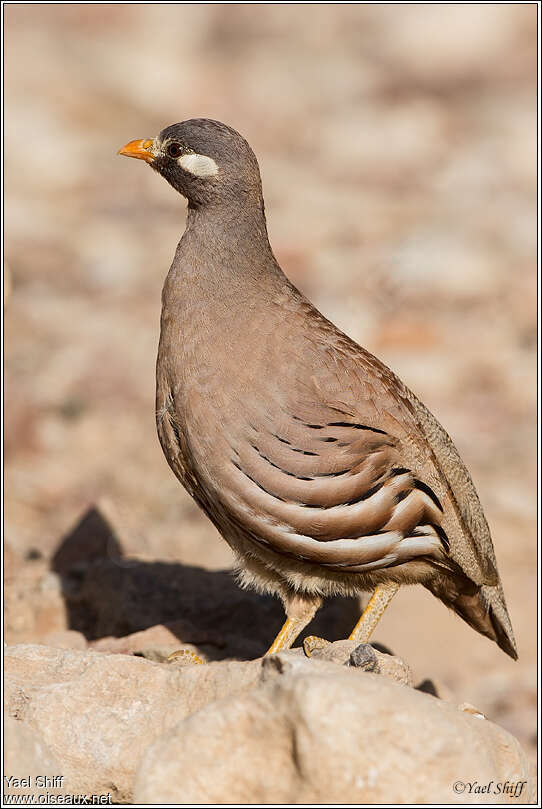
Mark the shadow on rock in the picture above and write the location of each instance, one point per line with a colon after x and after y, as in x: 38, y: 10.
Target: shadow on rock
x: 107, y: 594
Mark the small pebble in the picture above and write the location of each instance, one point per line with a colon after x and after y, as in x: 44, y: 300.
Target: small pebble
x: 364, y: 657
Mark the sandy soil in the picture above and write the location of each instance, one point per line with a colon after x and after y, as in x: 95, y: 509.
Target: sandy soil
x: 397, y: 147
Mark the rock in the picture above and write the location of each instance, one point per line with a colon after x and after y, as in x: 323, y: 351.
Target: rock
x: 285, y: 729
x: 468, y: 708
x: 13, y: 561
x: 158, y: 642
x: 364, y: 657
x: 112, y: 707
x: 34, y: 603
x: 26, y: 756
x: 360, y: 655
x: 392, y: 667
x: 7, y: 282
x: 314, y: 732
x: 65, y: 639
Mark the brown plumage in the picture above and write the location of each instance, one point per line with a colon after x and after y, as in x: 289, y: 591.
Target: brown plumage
x: 324, y: 473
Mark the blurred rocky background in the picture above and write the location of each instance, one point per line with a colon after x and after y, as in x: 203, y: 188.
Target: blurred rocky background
x: 397, y: 145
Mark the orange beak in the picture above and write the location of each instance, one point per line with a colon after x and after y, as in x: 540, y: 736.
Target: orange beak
x: 138, y: 148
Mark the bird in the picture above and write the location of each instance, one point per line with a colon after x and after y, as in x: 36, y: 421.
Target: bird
x: 320, y: 468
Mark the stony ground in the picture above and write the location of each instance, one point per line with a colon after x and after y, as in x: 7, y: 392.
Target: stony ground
x: 347, y: 725
x: 397, y: 148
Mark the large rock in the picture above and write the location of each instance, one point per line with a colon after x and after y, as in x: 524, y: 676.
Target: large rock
x: 97, y: 713
x: 34, y: 604
x: 287, y: 729
x: 314, y: 732
x: 29, y: 766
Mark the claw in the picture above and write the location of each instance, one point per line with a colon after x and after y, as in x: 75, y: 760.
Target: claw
x: 313, y: 644
x: 185, y: 658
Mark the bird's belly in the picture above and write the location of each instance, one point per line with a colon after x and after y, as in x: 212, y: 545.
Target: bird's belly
x: 267, y: 571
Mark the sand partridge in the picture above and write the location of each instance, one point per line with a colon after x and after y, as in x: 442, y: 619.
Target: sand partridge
x: 320, y: 468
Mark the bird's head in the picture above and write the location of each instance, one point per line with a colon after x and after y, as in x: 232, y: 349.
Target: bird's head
x: 205, y: 161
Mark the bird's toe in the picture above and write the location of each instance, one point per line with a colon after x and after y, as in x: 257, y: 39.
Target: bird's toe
x: 184, y: 657
x: 313, y: 644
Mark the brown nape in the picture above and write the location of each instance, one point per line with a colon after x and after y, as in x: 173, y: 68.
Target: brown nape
x: 318, y: 466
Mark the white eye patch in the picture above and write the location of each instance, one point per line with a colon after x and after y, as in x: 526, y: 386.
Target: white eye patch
x: 198, y: 164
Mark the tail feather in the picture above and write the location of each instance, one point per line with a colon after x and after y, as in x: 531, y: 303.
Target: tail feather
x: 483, y: 608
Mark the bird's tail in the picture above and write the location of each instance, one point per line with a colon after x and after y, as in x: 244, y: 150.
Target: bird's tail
x: 484, y: 609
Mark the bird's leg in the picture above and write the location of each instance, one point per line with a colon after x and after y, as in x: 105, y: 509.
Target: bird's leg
x: 373, y: 612
x: 300, y: 612
x: 287, y: 635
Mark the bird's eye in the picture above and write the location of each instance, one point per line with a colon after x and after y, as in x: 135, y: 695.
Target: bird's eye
x: 174, y: 150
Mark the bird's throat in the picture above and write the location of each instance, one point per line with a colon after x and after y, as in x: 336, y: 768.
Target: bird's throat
x: 223, y: 264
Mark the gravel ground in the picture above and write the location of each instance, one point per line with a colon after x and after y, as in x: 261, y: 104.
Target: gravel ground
x: 398, y: 152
